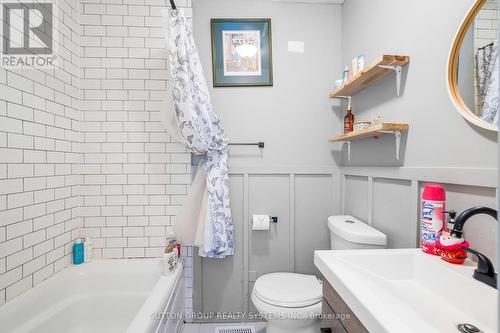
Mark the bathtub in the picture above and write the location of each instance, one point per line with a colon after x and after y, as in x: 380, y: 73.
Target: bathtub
x: 112, y: 296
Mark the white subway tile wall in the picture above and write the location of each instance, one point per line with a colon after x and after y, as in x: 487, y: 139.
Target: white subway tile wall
x: 485, y: 32
x: 40, y: 162
x: 82, y: 151
x: 134, y: 177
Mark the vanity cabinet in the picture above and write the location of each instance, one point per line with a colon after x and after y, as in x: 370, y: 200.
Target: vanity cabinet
x: 337, y: 316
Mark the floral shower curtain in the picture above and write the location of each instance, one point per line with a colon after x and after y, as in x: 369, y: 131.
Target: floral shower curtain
x: 205, y: 218
x: 487, y: 67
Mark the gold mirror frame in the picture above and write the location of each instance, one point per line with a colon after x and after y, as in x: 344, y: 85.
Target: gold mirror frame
x: 453, y: 70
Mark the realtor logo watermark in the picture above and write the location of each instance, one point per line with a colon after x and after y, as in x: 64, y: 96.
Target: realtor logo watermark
x: 27, y: 31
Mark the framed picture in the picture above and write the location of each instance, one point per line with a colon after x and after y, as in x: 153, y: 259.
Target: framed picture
x: 242, y: 52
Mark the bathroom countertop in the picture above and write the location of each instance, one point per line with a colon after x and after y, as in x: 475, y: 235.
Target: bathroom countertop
x: 405, y: 290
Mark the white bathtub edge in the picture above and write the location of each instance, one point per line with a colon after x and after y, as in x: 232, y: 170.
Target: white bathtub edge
x: 144, y: 321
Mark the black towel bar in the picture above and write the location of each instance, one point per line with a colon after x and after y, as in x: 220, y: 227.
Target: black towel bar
x: 259, y: 144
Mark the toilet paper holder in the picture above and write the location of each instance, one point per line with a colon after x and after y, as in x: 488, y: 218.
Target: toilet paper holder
x: 272, y: 219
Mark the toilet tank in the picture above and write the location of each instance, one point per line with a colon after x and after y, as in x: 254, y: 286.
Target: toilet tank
x: 349, y: 233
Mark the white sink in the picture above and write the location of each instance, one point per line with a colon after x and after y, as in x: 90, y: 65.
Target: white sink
x: 405, y: 290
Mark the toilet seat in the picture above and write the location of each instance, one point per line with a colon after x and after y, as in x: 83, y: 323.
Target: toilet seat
x: 288, y: 290
x: 270, y: 311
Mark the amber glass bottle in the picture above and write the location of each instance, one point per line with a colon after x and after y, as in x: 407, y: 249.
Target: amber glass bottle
x: 348, y: 120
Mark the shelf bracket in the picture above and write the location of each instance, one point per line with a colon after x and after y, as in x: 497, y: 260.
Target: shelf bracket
x: 348, y: 150
x: 397, y: 70
x: 397, y: 136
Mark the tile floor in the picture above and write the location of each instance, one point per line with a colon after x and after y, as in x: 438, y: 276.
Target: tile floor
x: 260, y: 327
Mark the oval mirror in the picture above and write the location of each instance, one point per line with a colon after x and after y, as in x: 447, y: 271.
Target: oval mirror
x: 474, y: 64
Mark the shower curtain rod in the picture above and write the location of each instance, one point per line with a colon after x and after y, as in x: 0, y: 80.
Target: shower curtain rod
x: 172, y: 3
x: 483, y: 47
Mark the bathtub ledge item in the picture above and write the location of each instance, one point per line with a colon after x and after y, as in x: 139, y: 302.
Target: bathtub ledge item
x: 78, y: 252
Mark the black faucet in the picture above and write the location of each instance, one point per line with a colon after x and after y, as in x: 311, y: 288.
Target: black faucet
x: 467, y: 214
x: 485, y: 272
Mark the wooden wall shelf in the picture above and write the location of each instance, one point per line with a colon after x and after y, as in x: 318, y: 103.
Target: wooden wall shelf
x: 379, y: 69
x: 374, y: 131
x: 370, y: 132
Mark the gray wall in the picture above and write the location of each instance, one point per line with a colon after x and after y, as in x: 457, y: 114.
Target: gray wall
x: 441, y: 146
x: 295, y: 176
x: 390, y: 201
x: 424, y: 30
x: 294, y: 117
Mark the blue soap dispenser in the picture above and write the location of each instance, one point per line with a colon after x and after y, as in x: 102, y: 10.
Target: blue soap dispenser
x: 78, y: 251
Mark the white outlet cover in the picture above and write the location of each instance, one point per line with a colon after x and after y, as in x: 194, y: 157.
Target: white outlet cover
x: 296, y: 47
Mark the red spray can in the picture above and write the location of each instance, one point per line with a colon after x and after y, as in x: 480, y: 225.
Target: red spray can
x: 432, y: 219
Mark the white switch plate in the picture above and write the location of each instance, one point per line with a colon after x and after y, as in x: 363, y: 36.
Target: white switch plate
x: 296, y: 47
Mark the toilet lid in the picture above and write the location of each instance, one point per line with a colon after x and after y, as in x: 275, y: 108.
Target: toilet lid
x: 353, y: 230
x: 289, y: 290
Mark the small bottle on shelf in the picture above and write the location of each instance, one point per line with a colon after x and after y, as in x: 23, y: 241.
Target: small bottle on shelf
x: 345, y: 75
x: 349, y: 118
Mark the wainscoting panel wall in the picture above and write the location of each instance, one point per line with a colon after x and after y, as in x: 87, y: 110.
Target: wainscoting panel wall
x: 269, y: 251
x: 356, y: 197
x: 313, y: 201
x: 389, y: 199
x: 392, y: 204
x: 301, y: 200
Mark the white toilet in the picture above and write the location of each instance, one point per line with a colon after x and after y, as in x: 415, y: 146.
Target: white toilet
x: 291, y: 302
x: 349, y: 233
